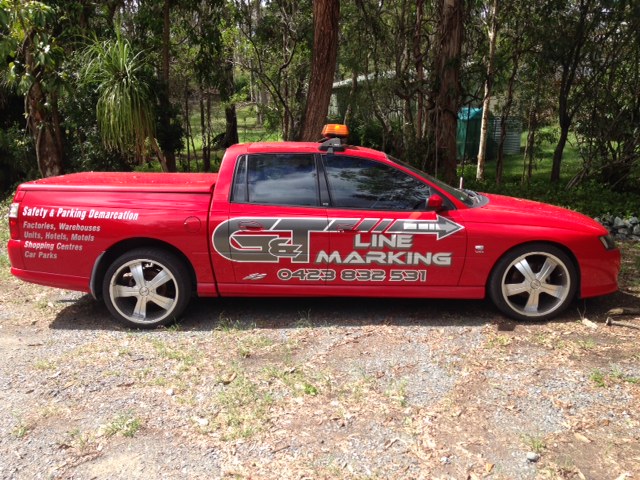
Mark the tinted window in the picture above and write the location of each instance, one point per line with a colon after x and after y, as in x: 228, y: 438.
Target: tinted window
x: 279, y: 180
x: 360, y: 183
x: 240, y: 181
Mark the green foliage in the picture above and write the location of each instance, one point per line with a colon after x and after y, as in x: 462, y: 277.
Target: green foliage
x: 388, y: 47
x: 589, y: 198
x: 125, y: 107
x: 275, y: 47
x: 29, y: 43
x: 16, y: 157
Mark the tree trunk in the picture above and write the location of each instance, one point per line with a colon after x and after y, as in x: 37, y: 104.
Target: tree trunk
x: 488, y: 86
x: 44, y: 124
x: 165, y: 116
x: 353, y: 91
x: 506, y: 112
x: 529, y: 150
x: 226, y: 93
x: 206, y: 151
x: 46, y: 131
x: 188, y: 124
x: 418, y: 59
x: 447, y: 67
x: 557, y: 153
x: 326, y: 14
x: 231, y: 132
x: 161, y: 157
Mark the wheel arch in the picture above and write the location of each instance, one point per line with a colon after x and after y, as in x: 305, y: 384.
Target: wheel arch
x: 560, y: 246
x: 107, y: 257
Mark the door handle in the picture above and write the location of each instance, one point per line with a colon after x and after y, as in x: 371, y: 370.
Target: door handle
x: 250, y: 225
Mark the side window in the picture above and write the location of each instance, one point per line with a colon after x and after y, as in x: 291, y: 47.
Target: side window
x: 239, y: 193
x: 365, y: 184
x: 277, y: 180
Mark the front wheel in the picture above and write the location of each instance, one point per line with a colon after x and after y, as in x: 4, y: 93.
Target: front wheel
x: 146, y: 288
x: 533, y: 282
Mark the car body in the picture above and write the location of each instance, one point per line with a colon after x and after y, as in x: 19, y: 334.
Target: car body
x: 302, y: 219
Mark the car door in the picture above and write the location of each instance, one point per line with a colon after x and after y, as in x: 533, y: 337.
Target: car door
x: 276, y: 223
x: 381, y: 233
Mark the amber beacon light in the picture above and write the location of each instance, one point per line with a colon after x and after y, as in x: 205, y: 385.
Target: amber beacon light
x: 335, y: 130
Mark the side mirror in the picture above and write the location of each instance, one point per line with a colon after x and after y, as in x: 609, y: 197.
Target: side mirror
x: 435, y: 203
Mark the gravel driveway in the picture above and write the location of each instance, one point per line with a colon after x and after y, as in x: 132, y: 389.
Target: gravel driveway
x: 323, y: 388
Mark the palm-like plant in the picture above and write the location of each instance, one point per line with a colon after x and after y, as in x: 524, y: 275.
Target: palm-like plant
x: 125, y: 107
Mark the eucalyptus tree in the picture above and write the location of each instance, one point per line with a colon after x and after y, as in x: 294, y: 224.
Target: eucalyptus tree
x: 326, y: 14
x: 575, y: 31
x: 607, y: 122
x: 274, y: 43
x: 492, y: 28
x: 446, y: 67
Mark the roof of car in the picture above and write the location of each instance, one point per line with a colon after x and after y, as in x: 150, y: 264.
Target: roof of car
x: 299, y: 147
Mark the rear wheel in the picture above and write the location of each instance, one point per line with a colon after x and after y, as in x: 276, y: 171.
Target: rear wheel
x: 146, y: 287
x: 533, y: 282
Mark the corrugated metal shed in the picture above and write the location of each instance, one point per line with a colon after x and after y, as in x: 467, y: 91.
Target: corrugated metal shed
x: 514, y: 132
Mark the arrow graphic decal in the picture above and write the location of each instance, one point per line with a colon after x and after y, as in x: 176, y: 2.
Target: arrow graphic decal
x: 441, y: 227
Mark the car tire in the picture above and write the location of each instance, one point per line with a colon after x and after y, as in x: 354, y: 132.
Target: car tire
x: 533, y: 282
x: 146, y: 287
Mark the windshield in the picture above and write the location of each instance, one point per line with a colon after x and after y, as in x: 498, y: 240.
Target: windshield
x: 465, y: 196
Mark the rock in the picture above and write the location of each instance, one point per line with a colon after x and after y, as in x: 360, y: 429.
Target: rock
x: 618, y: 222
x: 533, y: 457
x: 634, y: 220
x: 636, y: 230
x: 203, y: 422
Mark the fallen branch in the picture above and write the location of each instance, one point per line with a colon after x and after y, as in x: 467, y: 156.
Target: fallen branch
x: 610, y: 321
x: 624, y: 311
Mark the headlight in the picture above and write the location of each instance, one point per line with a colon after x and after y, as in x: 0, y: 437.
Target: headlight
x: 608, y: 242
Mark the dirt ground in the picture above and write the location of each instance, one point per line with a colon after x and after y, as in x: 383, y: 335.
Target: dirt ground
x: 325, y: 388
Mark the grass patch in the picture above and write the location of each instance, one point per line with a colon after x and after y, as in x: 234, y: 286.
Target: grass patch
x: 297, y: 381
x: 21, y: 430
x: 397, y: 392
x: 185, y: 356
x: 499, y: 341
x: 586, y: 344
x: 45, y: 365
x: 4, y: 235
x: 125, y: 424
x: 81, y: 441
x: 598, y: 378
x: 243, y: 408
x: 549, y: 341
x: 228, y: 325
x: 249, y: 345
x: 621, y: 376
x: 534, y: 443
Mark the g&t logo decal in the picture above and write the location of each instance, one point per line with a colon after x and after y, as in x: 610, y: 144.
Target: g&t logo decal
x: 268, y: 239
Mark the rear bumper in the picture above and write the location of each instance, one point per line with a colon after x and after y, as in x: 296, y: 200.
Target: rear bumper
x: 53, y: 280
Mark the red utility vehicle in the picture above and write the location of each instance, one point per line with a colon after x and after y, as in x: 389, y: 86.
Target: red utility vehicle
x: 301, y: 219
